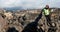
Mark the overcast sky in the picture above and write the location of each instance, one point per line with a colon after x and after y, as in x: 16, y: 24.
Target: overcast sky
x: 29, y: 3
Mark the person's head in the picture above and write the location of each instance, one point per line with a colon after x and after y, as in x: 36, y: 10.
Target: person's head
x: 47, y: 6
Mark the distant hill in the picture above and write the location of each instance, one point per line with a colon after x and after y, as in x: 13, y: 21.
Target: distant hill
x: 13, y: 8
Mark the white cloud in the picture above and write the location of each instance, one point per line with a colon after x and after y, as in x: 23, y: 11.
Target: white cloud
x: 29, y: 3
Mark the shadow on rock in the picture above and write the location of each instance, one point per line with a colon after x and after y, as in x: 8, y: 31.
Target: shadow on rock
x: 12, y: 30
x: 32, y: 27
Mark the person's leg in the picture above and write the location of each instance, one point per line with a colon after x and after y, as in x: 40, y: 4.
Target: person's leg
x: 48, y: 20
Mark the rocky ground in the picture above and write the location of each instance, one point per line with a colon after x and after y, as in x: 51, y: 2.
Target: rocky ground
x: 17, y: 22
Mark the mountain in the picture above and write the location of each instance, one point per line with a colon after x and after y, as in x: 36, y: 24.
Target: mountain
x: 13, y: 8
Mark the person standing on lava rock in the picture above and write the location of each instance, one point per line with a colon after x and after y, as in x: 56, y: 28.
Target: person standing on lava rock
x: 46, y: 11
